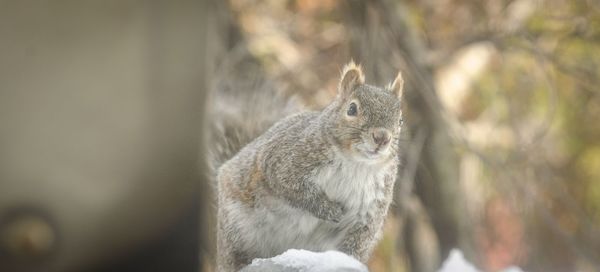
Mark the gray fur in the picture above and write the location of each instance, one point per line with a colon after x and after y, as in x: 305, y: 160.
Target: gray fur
x: 309, y: 182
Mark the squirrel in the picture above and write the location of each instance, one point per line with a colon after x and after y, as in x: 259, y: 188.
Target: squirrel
x: 316, y: 180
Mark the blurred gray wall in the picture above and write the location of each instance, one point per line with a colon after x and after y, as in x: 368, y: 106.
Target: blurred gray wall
x: 100, y: 106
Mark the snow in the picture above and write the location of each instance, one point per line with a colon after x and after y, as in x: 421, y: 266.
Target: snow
x: 512, y: 269
x: 298, y: 260
x: 456, y: 262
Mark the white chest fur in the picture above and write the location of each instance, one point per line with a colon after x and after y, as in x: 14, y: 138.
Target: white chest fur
x: 356, y: 185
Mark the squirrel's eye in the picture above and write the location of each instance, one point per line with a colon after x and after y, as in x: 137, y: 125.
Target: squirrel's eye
x: 352, y: 109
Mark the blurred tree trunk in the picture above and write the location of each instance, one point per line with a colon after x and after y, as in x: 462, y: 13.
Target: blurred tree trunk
x: 383, y: 41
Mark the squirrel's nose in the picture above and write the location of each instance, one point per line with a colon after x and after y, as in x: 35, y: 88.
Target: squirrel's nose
x: 381, y: 136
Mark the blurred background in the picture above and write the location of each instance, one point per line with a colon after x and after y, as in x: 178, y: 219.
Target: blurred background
x: 502, y: 146
x: 103, y: 103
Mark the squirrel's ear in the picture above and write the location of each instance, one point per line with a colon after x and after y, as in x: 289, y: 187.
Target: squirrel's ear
x: 397, y: 86
x: 352, y: 75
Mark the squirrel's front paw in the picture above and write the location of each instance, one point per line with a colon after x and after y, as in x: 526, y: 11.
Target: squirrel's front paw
x: 332, y: 212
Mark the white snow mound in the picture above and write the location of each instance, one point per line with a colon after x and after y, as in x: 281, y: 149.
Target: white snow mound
x: 456, y: 262
x: 299, y: 260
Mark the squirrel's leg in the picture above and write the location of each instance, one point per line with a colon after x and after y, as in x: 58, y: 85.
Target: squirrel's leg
x: 362, y: 238
x: 364, y: 235
x: 231, y: 255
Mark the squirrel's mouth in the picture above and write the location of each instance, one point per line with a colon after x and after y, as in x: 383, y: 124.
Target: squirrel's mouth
x: 372, y: 154
x: 366, y: 152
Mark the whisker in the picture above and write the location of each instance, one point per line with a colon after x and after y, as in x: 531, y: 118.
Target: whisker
x: 352, y: 134
x: 357, y: 128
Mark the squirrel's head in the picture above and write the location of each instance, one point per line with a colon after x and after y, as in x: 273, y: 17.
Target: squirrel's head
x: 367, y: 119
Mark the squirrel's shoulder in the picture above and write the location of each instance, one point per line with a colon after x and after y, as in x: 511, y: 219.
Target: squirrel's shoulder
x: 281, y: 134
x: 293, y: 123
x: 291, y: 129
